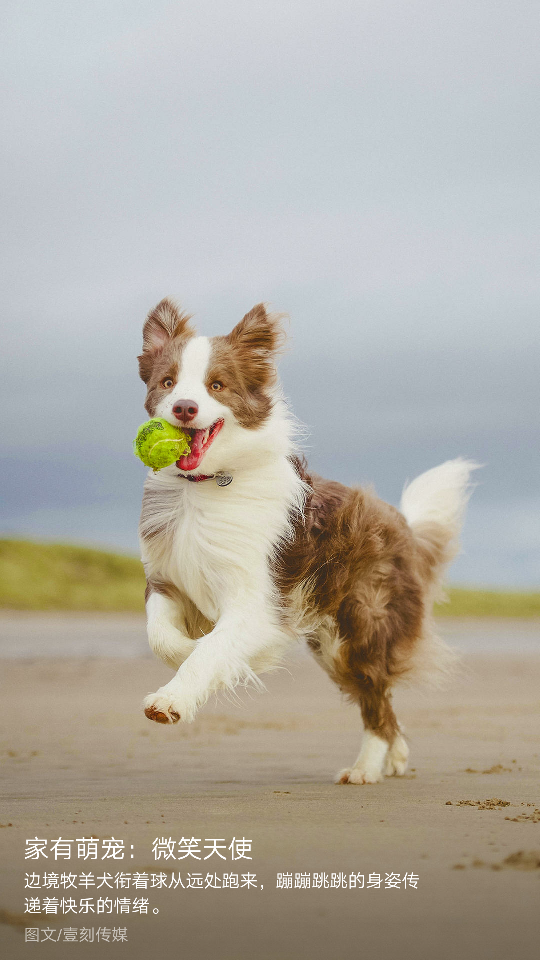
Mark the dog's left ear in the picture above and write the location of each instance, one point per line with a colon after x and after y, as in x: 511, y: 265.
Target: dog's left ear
x: 259, y: 332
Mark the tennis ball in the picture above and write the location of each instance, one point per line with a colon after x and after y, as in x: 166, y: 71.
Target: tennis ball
x: 158, y: 443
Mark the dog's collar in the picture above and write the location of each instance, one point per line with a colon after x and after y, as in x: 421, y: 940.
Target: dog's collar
x: 222, y: 479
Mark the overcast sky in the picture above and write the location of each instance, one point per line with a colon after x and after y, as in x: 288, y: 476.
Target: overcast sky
x: 369, y: 167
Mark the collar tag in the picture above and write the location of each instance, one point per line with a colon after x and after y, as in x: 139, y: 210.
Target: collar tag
x: 223, y: 479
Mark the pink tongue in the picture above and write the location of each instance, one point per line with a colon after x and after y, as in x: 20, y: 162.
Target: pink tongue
x: 192, y: 459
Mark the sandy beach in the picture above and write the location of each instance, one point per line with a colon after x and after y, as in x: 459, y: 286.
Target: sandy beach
x: 79, y: 759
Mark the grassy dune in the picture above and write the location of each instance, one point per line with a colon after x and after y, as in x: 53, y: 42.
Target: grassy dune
x: 38, y: 576
x: 464, y: 602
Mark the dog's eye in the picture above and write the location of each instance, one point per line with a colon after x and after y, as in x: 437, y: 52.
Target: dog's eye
x: 217, y: 385
x: 167, y: 383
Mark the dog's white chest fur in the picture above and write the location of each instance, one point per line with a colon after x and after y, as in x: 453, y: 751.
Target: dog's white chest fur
x: 216, y: 541
x: 190, y: 559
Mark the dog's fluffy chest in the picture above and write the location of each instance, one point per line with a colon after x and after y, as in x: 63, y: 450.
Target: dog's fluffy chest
x: 192, y: 559
x: 213, y: 543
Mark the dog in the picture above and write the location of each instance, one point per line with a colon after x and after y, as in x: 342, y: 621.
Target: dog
x: 245, y: 551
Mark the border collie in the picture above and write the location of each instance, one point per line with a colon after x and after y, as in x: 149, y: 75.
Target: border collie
x: 245, y: 550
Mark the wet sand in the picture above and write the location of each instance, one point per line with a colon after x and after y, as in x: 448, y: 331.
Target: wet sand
x: 79, y: 759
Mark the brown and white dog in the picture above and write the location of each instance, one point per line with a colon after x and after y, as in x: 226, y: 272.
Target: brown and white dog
x: 245, y: 551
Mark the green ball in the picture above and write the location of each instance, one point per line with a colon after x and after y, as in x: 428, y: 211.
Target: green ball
x: 158, y: 443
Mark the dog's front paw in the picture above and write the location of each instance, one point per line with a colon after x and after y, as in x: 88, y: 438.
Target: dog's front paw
x: 162, y: 707
x: 175, y: 701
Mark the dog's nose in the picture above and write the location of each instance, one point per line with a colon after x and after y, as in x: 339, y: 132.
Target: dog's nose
x: 185, y: 410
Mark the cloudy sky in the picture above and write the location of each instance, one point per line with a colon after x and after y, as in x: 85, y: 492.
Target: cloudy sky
x: 369, y: 167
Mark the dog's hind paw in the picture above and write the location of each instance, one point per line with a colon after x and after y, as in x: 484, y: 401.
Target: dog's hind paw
x: 397, y: 758
x: 359, y: 775
x: 370, y: 763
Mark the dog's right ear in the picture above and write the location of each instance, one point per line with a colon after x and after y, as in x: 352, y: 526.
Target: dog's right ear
x: 164, y: 323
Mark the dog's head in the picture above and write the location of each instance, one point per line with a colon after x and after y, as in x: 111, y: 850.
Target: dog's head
x: 220, y: 390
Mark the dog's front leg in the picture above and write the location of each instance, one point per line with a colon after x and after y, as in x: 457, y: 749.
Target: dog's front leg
x: 167, y: 641
x: 246, y: 631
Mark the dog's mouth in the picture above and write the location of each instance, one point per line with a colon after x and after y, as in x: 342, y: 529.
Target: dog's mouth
x: 200, y: 440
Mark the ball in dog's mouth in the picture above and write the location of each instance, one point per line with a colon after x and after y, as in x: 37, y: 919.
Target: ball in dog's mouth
x: 200, y: 440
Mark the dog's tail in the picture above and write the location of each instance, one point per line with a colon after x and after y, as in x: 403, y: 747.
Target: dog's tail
x: 434, y: 507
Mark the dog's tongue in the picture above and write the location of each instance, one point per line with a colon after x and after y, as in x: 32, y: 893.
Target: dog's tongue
x: 191, y: 460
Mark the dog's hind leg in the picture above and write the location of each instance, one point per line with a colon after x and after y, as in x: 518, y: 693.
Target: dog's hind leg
x: 362, y: 670
x: 384, y: 751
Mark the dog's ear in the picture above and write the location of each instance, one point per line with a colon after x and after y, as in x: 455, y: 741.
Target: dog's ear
x: 259, y: 331
x: 164, y: 323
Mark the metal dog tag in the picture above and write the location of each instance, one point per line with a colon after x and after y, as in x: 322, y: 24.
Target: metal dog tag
x: 223, y: 479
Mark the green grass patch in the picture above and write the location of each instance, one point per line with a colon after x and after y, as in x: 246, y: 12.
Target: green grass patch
x: 53, y: 576
x: 465, y: 602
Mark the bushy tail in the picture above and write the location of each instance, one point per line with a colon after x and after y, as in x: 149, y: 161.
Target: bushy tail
x: 434, y: 506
